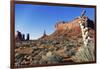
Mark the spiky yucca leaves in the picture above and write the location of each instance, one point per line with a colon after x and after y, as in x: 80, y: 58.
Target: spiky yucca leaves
x: 85, y: 54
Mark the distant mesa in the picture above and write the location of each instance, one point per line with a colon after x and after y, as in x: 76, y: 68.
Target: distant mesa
x: 21, y: 37
x: 68, y: 25
x: 73, y: 25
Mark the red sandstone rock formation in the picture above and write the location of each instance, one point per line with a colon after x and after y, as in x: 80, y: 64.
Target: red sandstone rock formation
x: 68, y: 25
x: 72, y: 26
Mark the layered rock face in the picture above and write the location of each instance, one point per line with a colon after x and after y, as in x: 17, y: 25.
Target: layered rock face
x: 72, y: 28
x: 72, y: 25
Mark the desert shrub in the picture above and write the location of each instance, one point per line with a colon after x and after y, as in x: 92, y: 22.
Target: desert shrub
x: 55, y: 57
x: 51, y: 58
x: 85, y: 54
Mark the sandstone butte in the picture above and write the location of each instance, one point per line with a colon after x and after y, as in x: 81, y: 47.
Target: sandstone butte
x: 74, y: 24
x: 73, y: 27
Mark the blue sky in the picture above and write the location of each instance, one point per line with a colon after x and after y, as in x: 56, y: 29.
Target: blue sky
x: 34, y: 19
